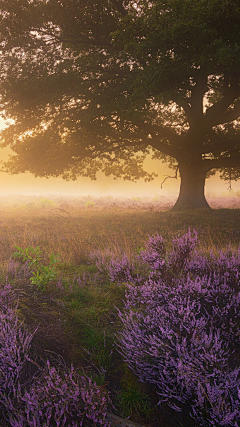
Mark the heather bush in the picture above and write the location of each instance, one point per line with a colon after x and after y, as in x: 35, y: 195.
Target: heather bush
x: 63, y: 399
x: 55, y: 397
x: 15, y: 343
x: 181, y: 326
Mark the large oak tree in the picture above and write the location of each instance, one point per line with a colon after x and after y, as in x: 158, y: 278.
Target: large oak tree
x: 98, y: 84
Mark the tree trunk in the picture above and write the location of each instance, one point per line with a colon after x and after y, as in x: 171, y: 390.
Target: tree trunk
x: 192, y: 186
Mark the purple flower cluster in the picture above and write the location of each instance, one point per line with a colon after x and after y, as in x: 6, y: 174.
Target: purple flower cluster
x: 18, y: 270
x: 50, y: 397
x: 102, y: 258
x: 63, y: 399
x: 14, y: 344
x: 181, y: 327
x: 121, y: 270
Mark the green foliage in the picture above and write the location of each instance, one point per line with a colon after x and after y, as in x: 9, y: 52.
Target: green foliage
x: 99, y: 346
x: 41, y: 274
x: 32, y: 255
x: 89, y: 204
x: 44, y: 203
x: 139, y: 250
x: 133, y: 401
x: 98, y: 85
x: 93, y: 306
x: 131, y: 398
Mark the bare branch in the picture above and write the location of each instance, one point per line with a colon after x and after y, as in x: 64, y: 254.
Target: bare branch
x: 59, y: 209
x: 168, y: 176
x: 230, y: 181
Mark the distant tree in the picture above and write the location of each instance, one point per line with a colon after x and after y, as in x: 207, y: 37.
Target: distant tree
x: 99, y: 84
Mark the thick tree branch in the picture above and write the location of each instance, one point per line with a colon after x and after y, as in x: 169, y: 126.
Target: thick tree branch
x: 226, y: 143
x: 159, y: 145
x: 224, y: 162
x: 155, y: 142
x: 196, y: 99
x: 188, y: 111
x: 86, y: 41
x: 229, y: 116
x: 216, y: 114
x: 160, y: 132
x: 193, y: 106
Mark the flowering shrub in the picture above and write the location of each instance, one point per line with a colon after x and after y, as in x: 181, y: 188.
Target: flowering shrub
x: 50, y: 397
x: 63, y: 399
x: 14, y: 350
x: 181, y: 326
x: 14, y: 344
x: 102, y: 258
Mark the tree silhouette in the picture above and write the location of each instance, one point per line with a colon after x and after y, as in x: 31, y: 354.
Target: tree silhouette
x: 99, y: 84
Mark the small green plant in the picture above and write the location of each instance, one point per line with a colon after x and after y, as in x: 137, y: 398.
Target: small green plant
x: 139, y: 250
x: 46, y: 203
x: 89, y: 204
x: 37, y: 204
x: 41, y: 274
x: 99, y: 347
x: 30, y: 254
x: 134, y: 401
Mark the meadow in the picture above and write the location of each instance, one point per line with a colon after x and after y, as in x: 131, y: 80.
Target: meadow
x: 64, y: 293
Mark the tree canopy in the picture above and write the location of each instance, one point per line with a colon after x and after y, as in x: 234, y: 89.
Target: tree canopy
x: 98, y: 84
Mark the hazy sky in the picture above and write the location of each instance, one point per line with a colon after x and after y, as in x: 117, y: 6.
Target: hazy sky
x: 27, y: 184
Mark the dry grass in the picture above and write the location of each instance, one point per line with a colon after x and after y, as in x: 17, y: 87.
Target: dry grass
x: 78, y: 323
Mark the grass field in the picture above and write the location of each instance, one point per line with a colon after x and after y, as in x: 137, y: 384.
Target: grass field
x: 76, y: 314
